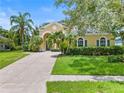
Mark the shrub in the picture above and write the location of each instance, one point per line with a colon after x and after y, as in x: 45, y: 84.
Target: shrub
x: 35, y: 43
x: 11, y: 45
x: 26, y: 46
x: 116, y: 50
x: 18, y: 47
x: 64, y: 46
x: 115, y: 59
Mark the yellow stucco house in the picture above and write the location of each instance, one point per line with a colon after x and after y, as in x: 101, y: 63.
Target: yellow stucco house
x: 91, y: 38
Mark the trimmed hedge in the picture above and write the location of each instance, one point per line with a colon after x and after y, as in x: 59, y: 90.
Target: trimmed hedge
x: 116, y: 59
x: 6, y: 50
x: 115, y: 50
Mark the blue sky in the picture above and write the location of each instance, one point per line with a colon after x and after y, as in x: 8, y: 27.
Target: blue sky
x: 40, y: 10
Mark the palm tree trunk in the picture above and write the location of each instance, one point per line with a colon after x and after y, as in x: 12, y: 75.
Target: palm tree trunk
x: 22, y: 36
x: 23, y: 41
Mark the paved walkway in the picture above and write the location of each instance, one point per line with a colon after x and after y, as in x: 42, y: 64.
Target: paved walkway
x: 28, y: 75
x: 85, y: 78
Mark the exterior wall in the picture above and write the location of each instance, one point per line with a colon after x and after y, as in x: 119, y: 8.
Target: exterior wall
x: 92, y: 39
x: 48, y: 29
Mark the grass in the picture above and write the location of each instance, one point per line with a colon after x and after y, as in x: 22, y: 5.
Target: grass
x: 85, y: 87
x: 7, y: 58
x: 87, y: 65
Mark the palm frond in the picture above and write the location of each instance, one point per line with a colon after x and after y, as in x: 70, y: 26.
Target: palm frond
x: 30, y: 21
x: 13, y: 19
x: 15, y: 28
x: 27, y: 15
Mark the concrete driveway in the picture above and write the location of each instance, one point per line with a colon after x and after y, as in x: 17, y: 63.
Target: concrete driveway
x: 28, y: 75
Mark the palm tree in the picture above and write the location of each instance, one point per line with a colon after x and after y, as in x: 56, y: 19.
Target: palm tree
x: 3, y: 32
x: 21, y: 23
x: 35, y: 43
x: 36, y: 31
x: 50, y: 41
x: 56, y: 38
x: 71, y: 40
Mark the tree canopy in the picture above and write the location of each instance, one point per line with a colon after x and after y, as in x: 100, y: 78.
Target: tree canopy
x: 23, y: 25
x: 102, y: 15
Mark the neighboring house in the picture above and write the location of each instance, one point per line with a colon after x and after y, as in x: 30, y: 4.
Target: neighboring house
x: 118, y: 41
x: 3, y: 46
x: 90, y: 39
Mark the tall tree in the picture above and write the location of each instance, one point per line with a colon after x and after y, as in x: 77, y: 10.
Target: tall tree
x: 22, y: 23
x: 36, y: 31
x: 102, y: 15
x: 3, y: 32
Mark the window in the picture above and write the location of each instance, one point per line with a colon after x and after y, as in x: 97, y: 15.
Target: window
x: 102, y: 42
x: 80, y: 42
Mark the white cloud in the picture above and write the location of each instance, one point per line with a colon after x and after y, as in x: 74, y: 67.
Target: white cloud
x: 4, y: 22
x: 46, y: 9
x: 50, y: 20
x: 5, y: 17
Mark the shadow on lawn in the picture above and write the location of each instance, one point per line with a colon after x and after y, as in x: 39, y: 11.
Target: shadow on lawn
x: 81, y: 66
x: 76, y: 63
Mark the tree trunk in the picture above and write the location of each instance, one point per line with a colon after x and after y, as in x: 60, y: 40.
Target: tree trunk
x: 22, y: 36
x: 23, y: 41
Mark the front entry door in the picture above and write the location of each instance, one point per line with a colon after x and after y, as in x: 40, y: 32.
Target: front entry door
x: 47, y: 46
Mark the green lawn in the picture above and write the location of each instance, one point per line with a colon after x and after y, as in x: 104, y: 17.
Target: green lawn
x: 86, y: 65
x: 7, y: 58
x: 85, y: 87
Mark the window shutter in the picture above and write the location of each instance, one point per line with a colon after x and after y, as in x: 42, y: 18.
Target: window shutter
x: 108, y: 42
x: 97, y: 43
x: 85, y: 43
x: 76, y: 43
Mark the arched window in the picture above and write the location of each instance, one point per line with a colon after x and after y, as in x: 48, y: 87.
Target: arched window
x: 102, y: 41
x: 80, y: 42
